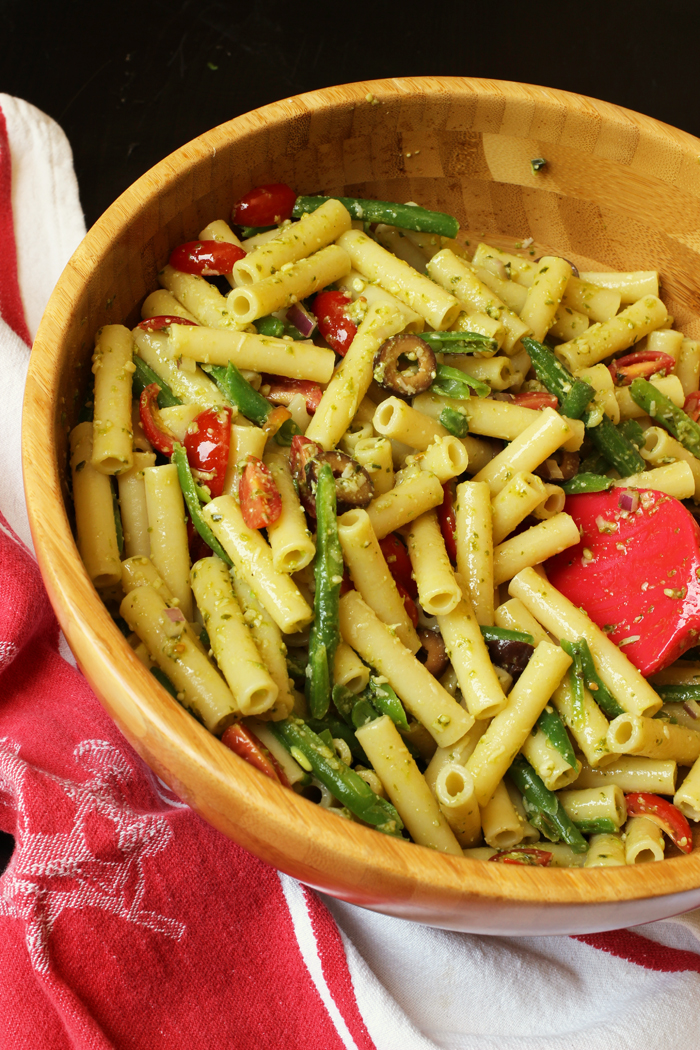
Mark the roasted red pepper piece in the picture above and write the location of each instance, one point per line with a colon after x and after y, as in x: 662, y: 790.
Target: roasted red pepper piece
x: 282, y: 390
x: 535, y: 399
x: 265, y: 205
x: 246, y: 745
x: 154, y: 428
x: 691, y: 405
x: 664, y: 815
x: 635, y: 572
x: 157, y: 324
x: 334, y: 324
x: 399, y: 563
x: 448, y: 522
x: 261, y: 503
x: 640, y: 364
x: 529, y: 855
x: 207, y: 444
x: 206, y: 258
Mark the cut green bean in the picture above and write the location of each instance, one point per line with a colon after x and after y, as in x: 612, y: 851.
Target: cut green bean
x: 387, y: 702
x: 603, y: 825
x: 296, y: 667
x: 342, y: 782
x: 405, y: 216
x: 663, y: 410
x: 340, y: 731
x: 363, y: 712
x: 452, y: 382
x: 344, y: 700
x: 144, y: 375
x: 459, y: 342
x: 328, y: 570
x: 455, y: 422
x: 248, y: 401
x: 189, y: 491
x: 631, y: 429
x: 594, y: 683
x: 253, y: 231
x: 576, y: 679
x: 617, y: 449
x: 585, y: 482
x: 679, y: 694
x: 594, y: 464
x: 504, y: 634
x: 554, y: 729
x: 276, y: 327
x: 542, y: 807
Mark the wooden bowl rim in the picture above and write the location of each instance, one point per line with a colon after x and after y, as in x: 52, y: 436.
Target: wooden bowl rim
x: 420, y: 875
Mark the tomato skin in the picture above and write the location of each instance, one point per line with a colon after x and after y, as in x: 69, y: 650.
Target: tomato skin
x: 206, y: 258
x: 264, y: 205
x: 283, y: 389
x: 334, y: 325
x: 641, y: 363
x: 448, y: 522
x: 664, y: 815
x: 528, y: 855
x: 399, y: 564
x: 535, y: 399
x: 246, y: 745
x: 207, y: 444
x: 691, y: 405
x: 261, y: 503
x: 161, y: 438
x: 409, y: 604
x: 157, y: 324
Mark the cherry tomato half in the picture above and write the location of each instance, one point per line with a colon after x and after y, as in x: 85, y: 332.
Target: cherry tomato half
x: 157, y: 324
x: 153, y: 427
x: 245, y: 744
x: 261, y: 503
x: 399, y: 563
x: 664, y: 815
x: 535, y: 399
x: 265, y: 205
x: 334, y: 324
x: 692, y: 405
x: 282, y: 390
x: 207, y: 444
x: 641, y: 363
x: 206, y: 258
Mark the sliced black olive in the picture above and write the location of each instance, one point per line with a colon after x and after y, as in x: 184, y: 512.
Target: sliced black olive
x: 433, y: 654
x: 353, y: 485
x: 510, y: 655
x: 410, y: 376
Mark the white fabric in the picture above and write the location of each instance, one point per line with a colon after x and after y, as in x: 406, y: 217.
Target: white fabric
x: 417, y: 988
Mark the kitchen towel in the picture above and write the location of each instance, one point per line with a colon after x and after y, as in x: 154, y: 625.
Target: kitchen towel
x: 128, y: 923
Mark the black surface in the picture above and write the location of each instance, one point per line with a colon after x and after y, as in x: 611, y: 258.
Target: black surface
x: 131, y: 81
x: 6, y: 846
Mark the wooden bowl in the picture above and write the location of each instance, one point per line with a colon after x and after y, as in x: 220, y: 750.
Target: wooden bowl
x: 619, y: 191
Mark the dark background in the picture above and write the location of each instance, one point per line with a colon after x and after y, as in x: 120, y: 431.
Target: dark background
x: 131, y: 81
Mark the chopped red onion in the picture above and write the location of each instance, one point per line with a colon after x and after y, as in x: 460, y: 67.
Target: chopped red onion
x: 691, y: 706
x: 629, y: 500
x: 176, y: 615
x: 300, y: 317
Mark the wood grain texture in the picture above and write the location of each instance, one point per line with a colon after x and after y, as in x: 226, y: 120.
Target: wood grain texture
x: 619, y: 191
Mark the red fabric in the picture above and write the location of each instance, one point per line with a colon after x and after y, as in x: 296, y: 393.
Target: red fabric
x: 11, y: 308
x: 652, y: 956
x: 125, y: 920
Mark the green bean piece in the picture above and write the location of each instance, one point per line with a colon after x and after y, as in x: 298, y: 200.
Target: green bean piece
x: 161, y: 676
x: 678, y: 694
x: 328, y: 570
x: 455, y: 422
x: 343, y: 783
x: 577, y: 400
x: 144, y: 375
x: 558, y: 379
x: 594, y: 683
x: 363, y: 712
x: 344, y: 700
x: 459, y: 342
x: 189, y: 491
x: 405, y: 216
x: 576, y: 679
x: 542, y: 807
x: 594, y: 464
x: 663, y: 410
x: 631, y: 429
x: 117, y: 521
x: 325, y: 735
x: 296, y: 667
x: 253, y: 231
x: 387, y: 702
x: 554, y: 729
x: 504, y: 634
x: 603, y: 825
x: 453, y: 382
x: 617, y: 449
x: 276, y: 327
x: 585, y: 482
x: 248, y: 401
x: 340, y: 731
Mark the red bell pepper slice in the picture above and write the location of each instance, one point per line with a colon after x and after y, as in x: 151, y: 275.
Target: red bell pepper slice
x: 246, y: 745
x: 207, y: 444
x: 529, y: 855
x: 691, y: 405
x: 535, y: 399
x: 157, y: 324
x: 282, y: 390
x: 261, y: 503
x: 154, y: 428
x: 265, y: 205
x: 640, y: 364
x: 665, y: 815
x: 399, y: 563
x: 448, y: 522
x: 206, y: 258
x: 334, y: 324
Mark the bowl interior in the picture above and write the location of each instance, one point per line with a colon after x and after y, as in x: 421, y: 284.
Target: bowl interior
x: 619, y: 192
